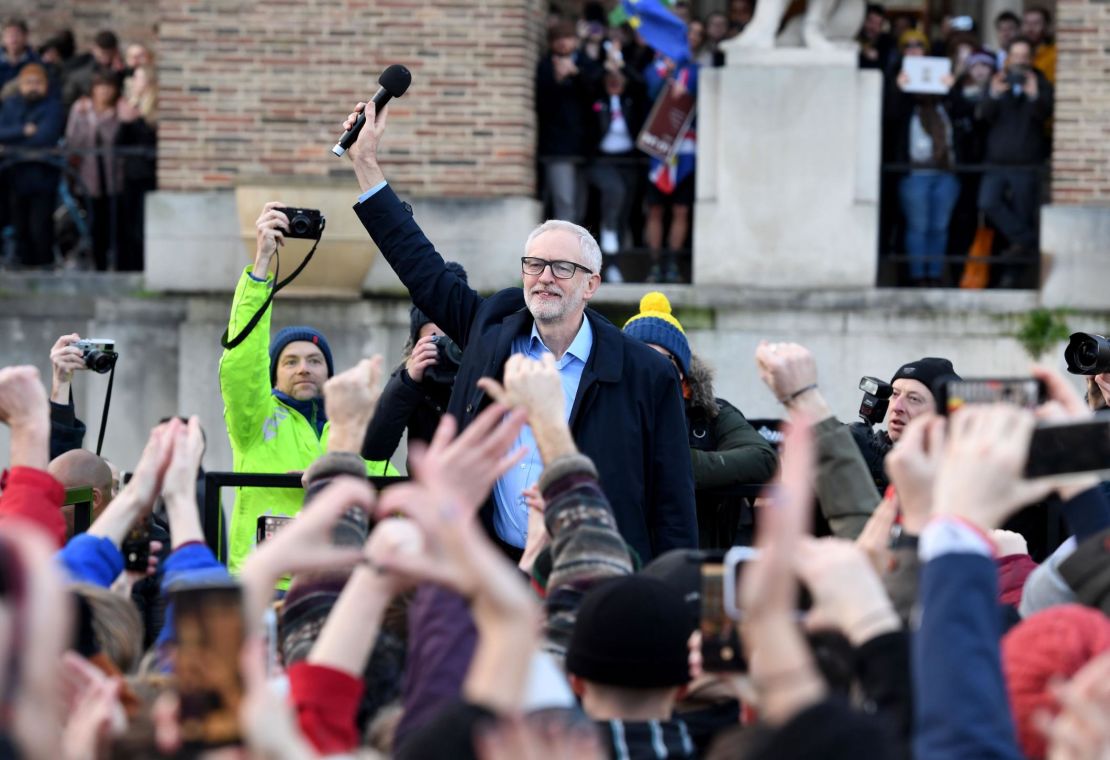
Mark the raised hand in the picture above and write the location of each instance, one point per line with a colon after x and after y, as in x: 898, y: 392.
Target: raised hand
x: 350, y: 399
x: 912, y: 466
x: 423, y: 355
x: 462, y: 470
x: 24, y: 409
x: 980, y: 475
x: 65, y: 359
x: 533, y: 385
x: 268, y: 229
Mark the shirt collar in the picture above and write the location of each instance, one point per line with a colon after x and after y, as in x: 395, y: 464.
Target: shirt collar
x: 579, y: 348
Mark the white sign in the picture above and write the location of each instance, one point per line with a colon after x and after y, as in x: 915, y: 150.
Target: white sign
x: 926, y: 74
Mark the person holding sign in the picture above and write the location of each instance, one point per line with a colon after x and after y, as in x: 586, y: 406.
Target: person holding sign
x: 923, y: 139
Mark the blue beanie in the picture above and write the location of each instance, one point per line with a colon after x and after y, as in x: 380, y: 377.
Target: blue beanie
x: 655, y: 324
x: 288, y: 335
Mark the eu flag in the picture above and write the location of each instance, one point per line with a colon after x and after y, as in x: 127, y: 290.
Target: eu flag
x: 659, y: 27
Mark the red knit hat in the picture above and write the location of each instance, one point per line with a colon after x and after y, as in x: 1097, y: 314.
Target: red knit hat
x: 1053, y: 644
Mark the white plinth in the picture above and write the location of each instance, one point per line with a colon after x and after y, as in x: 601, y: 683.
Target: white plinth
x: 788, y: 171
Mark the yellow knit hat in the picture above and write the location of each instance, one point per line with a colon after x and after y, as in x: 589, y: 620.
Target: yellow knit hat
x: 655, y: 324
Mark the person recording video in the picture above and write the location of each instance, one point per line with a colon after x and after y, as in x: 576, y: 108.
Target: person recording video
x: 417, y: 393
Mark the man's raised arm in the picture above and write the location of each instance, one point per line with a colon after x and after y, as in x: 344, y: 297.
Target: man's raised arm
x: 435, y: 290
x: 245, y: 369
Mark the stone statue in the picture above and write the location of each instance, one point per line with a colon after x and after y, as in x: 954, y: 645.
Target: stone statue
x: 826, y: 25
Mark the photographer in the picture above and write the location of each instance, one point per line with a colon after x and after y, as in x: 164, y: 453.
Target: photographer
x: 418, y: 391
x: 848, y: 488
x: 273, y: 394
x: 67, y: 432
x: 912, y: 395
x: 1017, y: 109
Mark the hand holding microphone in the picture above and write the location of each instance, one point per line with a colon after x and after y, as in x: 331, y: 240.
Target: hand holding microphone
x: 394, y: 82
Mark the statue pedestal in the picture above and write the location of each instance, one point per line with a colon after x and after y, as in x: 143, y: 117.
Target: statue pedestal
x: 788, y: 171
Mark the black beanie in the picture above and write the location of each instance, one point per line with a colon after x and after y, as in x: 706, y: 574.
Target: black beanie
x: 681, y: 570
x: 631, y: 632
x: 927, y: 371
x: 417, y: 318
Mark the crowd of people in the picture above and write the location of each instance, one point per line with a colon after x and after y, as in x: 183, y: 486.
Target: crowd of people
x: 595, y: 87
x: 960, y: 169
x: 77, y: 130
x: 971, y: 160
x: 550, y: 580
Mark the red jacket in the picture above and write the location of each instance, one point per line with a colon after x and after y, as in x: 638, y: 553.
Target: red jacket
x: 1013, y: 570
x: 326, y: 701
x: 34, y: 496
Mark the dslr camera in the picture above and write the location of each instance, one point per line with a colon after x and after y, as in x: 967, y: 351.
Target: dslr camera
x: 304, y: 223
x: 876, y: 399
x: 1087, y: 354
x: 448, y: 359
x: 99, y: 353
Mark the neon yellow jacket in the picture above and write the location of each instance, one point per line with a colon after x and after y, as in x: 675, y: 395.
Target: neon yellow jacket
x: 266, y: 434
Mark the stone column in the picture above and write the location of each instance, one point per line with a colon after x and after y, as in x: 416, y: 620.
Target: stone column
x: 788, y: 171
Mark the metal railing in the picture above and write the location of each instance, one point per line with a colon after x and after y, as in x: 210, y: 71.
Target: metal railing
x: 74, y: 210
x: 212, y: 515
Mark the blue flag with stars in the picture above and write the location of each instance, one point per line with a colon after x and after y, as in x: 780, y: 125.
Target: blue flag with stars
x: 659, y: 27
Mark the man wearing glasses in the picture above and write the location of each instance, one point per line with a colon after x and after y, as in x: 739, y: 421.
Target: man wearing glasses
x: 623, y: 400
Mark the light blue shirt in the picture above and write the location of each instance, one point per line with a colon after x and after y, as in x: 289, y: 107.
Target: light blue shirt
x: 510, y: 517
x: 372, y: 191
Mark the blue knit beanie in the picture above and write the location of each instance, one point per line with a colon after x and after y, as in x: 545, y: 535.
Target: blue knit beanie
x: 288, y: 335
x: 654, y: 324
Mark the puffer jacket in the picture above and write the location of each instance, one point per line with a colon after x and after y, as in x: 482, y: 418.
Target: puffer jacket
x: 267, y: 435
x: 726, y: 452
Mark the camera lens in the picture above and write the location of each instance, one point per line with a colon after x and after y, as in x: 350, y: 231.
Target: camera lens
x: 100, y: 361
x: 299, y: 224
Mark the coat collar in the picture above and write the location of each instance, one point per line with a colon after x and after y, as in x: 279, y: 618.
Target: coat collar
x: 606, y: 361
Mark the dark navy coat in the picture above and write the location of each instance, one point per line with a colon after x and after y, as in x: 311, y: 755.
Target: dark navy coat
x: 627, y: 416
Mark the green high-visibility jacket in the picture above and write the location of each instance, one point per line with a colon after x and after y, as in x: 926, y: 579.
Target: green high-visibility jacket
x: 266, y: 434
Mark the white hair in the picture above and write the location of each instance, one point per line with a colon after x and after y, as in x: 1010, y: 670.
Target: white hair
x: 590, y: 250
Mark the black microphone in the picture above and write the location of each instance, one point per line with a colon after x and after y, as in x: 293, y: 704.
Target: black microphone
x: 394, y: 81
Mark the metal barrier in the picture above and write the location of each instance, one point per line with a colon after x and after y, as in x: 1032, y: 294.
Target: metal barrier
x: 74, y: 202
x: 212, y: 516
x: 81, y: 500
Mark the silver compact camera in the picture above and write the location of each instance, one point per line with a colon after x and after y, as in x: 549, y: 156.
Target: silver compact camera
x: 99, y: 353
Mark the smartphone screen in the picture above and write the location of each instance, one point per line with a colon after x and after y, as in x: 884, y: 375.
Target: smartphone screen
x: 136, y: 546
x: 720, y: 639
x: 1072, y: 447
x: 210, y: 631
x: 268, y: 526
x: 1025, y: 392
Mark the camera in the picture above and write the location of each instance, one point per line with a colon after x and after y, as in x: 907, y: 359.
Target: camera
x: 1087, y: 354
x: 876, y: 399
x: 1015, y: 77
x: 304, y: 223
x: 99, y: 353
x: 448, y: 359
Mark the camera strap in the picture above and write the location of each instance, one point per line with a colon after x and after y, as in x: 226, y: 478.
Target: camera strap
x: 107, y: 403
x: 278, y: 285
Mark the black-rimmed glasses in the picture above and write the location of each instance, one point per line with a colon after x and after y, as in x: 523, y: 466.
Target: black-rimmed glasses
x: 564, y: 270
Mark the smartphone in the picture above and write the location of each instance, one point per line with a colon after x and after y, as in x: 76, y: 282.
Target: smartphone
x: 210, y: 630
x: 268, y: 526
x: 1062, y: 448
x: 136, y: 546
x: 721, y: 649
x: 1025, y: 392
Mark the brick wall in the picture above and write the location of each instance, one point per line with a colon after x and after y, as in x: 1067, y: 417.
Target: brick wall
x: 254, y: 90
x: 1081, y: 150
x: 257, y: 90
x: 133, y: 20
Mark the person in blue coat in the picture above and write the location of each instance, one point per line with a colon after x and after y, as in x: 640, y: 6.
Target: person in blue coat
x: 32, y: 118
x: 623, y: 400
